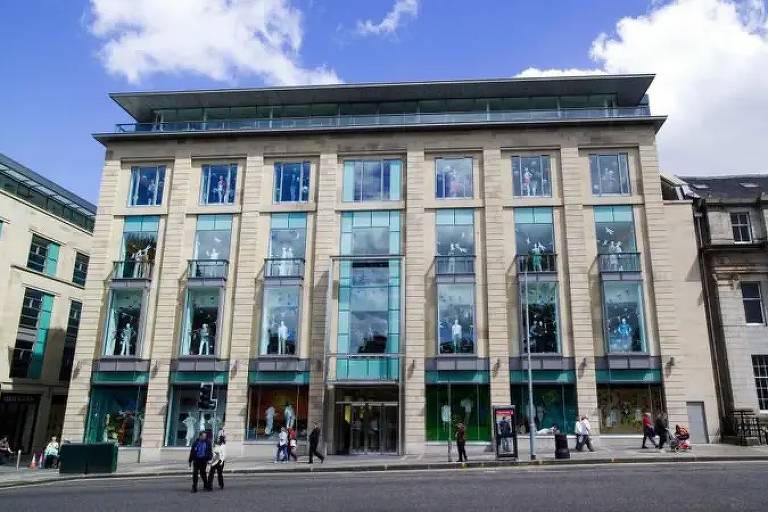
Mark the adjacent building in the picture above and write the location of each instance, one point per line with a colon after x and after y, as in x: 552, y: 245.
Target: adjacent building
x: 378, y: 258
x: 45, y: 244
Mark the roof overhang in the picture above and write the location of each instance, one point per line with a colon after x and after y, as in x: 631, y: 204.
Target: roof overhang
x: 629, y: 90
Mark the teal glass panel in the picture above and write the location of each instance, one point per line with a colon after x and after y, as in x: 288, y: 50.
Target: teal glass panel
x: 395, y: 172
x: 623, y: 314
x: 622, y: 214
x: 604, y: 214
x: 51, y: 259
x: 280, y: 221
x: 116, y: 414
x: 346, y: 222
x: 297, y: 220
x: 448, y: 404
x: 445, y: 216
x: 206, y: 222
x: 542, y: 215
x: 464, y: 216
x: 394, y: 221
x: 523, y: 215
x: 380, y: 218
x: 552, y: 405
x: 349, y: 181
x: 186, y: 421
x: 41, y: 338
x: 361, y: 219
x: 394, y: 243
x: 346, y: 243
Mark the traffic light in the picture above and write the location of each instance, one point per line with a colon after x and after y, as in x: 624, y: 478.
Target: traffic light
x: 205, y: 401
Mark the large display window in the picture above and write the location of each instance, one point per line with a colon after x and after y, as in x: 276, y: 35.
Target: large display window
x: 610, y: 174
x: 372, y: 180
x: 116, y: 414
x: 218, y: 184
x: 272, y: 407
x: 553, y: 404
x: 449, y: 404
x: 456, y: 318
x: 201, y: 322
x: 623, y: 320
x: 535, y: 235
x: 455, y: 238
x: 615, y: 234
x: 186, y: 420
x: 139, y: 246
x: 540, y: 315
x: 121, y: 335
x: 622, y: 406
x: 147, y: 185
x: 370, y: 233
x: 291, y: 182
x: 287, y: 237
x: 453, y: 178
x: 280, y: 320
x: 212, y: 238
x: 531, y: 176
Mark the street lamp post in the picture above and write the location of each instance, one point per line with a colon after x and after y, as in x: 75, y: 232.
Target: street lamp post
x: 527, y: 323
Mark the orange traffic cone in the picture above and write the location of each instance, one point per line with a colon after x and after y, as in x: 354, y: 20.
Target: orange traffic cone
x: 33, y: 464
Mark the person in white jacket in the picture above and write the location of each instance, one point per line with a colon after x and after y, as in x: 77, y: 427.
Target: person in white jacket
x: 217, y: 462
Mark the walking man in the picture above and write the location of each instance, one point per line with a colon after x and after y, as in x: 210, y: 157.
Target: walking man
x: 314, y: 441
x: 199, y: 456
x: 648, y: 430
x: 461, y: 442
x: 584, y: 434
x: 661, y: 429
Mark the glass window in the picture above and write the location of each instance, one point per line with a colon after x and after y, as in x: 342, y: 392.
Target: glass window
x: 212, y: 238
x: 288, y: 235
x: 615, y: 230
x: 43, y: 255
x: 139, y: 246
x: 280, y: 321
x: 535, y: 237
x: 753, y: 302
x: 622, y: 407
x: 455, y: 232
x: 539, y: 305
x: 291, y: 182
x: 81, y: 269
x: 272, y: 407
x: 623, y: 316
x: 70, y: 339
x: 553, y: 405
x: 531, y: 176
x: 370, y: 233
x: 449, y: 404
x: 186, y: 421
x: 218, y: 184
x: 147, y: 186
x: 32, y: 335
x: 760, y: 369
x: 742, y: 231
x: 453, y: 178
x: 201, y: 325
x: 122, y: 324
x: 372, y: 180
x: 610, y: 174
x: 456, y: 318
x: 116, y: 415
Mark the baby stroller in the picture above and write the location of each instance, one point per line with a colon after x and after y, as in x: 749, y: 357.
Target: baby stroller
x: 680, y: 440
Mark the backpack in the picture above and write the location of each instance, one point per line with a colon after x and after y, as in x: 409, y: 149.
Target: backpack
x: 201, y: 449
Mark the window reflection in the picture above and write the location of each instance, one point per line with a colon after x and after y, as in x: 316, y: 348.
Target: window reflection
x: 453, y: 178
x: 218, y: 184
x: 622, y: 407
x: 539, y: 304
x: 212, y: 239
x: 187, y: 421
x: 123, y: 316
x: 116, y: 415
x: 147, y: 186
x: 610, y: 174
x: 287, y: 237
x: 139, y: 246
x: 531, y: 176
x: 623, y: 311
x: 291, y: 182
x: 280, y: 320
x: 370, y: 233
x: 372, y: 180
x: 271, y: 408
x: 201, y: 322
x: 455, y: 318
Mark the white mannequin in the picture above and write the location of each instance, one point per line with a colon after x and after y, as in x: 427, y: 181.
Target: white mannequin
x: 452, y: 260
x: 220, y: 189
x: 283, y: 269
x: 189, y: 422
x: 618, y: 250
x: 202, y: 423
x: 205, y: 341
x: 290, y: 417
x: 445, y: 415
x: 270, y: 420
x: 456, y: 332
x: 138, y: 256
x: 466, y: 404
x: 125, y: 340
x: 104, y: 434
x: 291, y: 263
x: 214, y: 426
x: 282, y: 336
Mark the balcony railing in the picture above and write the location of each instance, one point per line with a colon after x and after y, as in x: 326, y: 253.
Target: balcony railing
x: 454, y: 265
x: 207, y: 269
x: 287, y: 268
x: 19, y: 361
x: 621, y: 262
x: 377, y: 120
x: 537, y: 263
x: 130, y: 269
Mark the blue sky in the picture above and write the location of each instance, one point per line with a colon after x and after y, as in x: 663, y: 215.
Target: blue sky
x: 57, y: 73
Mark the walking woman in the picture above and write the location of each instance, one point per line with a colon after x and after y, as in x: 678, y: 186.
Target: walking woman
x: 648, y: 432
x: 461, y: 442
x: 661, y: 429
x: 292, y: 445
x: 217, y: 463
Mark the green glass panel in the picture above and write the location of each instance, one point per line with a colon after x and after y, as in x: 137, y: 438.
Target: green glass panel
x: 448, y: 404
x: 394, y: 221
x: 622, y: 214
x: 603, y: 214
x: 361, y: 219
x: 380, y: 219
x: 394, y: 179
x: 523, y: 215
x: 349, y: 181
x: 394, y: 243
x: 206, y: 222
x: 465, y: 217
x: 445, y: 217
x: 51, y: 259
x: 542, y: 215
x: 279, y: 221
x: 346, y: 222
x: 346, y: 243
x: 297, y: 220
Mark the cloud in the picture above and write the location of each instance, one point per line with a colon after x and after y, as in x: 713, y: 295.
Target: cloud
x: 402, y: 10
x: 218, y: 39
x: 711, y: 63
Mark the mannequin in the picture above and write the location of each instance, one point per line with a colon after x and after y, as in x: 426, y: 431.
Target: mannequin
x: 527, y: 182
x: 138, y: 257
x: 105, y: 432
x: 220, y: 190
x: 456, y: 334
x: 214, y: 426
x: 536, y: 252
x: 125, y: 340
x: 203, y: 422
x: 613, y: 260
x: 445, y: 416
x: 625, y: 335
x: 283, y: 269
x: 290, y: 416
x: 189, y: 422
x: 138, y: 421
x: 151, y: 193
x: 282, y: 337
x: 452, y: 260
x: 204, y: 348
x: 290, y: 263
x: 466, y: 404
x: 270, y: 413
x: 619, y: 260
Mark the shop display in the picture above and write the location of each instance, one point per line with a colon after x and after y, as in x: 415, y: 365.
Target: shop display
x: 610, y: 174
x: 622, y: 407
x: 218, y: 184
x: 271, y: 408
x: 553, y: 404
x: 291, y: 182
x: 280, y: 320
x: 186, y: 420
x: 200, y: 322
x: 453, y: 178
x: 455, y: 317
x: 147, y: 185
x: 623, y: 310
x: 449, y: 404
x: 539, y: 304
x: 531, y: 176
x: 123, y: 323
x: 116, y: 415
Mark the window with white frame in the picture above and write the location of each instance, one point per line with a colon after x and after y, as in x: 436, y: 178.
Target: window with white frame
x: 753, y: 302
x: 147, y: 185
x: 291, y: 182
x: 610, y: 174
x: 742, y: 231
x: 760, y: 369
x: 218, y: 184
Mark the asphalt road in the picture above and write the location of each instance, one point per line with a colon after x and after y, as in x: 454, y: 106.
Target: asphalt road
x: 669, y: 487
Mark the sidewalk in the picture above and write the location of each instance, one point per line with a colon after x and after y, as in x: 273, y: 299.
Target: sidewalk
x: 10, y: 477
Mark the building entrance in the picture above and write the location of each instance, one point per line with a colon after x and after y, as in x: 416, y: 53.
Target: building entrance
x: 366, y: 427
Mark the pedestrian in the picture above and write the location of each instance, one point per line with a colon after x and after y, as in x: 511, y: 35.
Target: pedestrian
x: 199, y: 455
x: 661, y: 429
x: 585, y: 431
x: 5, y: 451
x: 648, y: 432
x: 314, y: 441
x: 51, y: 454
x: 217, y: 463
x: 577, y: 432
x: 282, y: 446
x: 292, y: 444
x: 461, y: 442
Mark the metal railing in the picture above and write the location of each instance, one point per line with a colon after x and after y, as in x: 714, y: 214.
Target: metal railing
x: 19, y: 361
x: 454, y: 265
x: 375, y: 120
x: 207, y: 269
x: 284, y: 267
x: 744, y: 425
x: 384, y: 367
x: 620, y: 262
x: 536, y: 263
x: 130, y: 269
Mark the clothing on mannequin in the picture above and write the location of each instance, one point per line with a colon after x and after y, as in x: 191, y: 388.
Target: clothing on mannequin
x: 125, y: 340
x: 270, y: 413
x: 204, y: 347
x: 189, y: 423
x: 466, y: 404
x: 289, y: 415
x: 456, y: 335
x: 220, y: 190
x: 282, y: 337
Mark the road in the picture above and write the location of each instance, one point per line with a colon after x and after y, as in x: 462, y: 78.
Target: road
x: 675, y: 487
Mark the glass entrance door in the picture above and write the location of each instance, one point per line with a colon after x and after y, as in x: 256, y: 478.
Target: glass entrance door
x: 366, y: 428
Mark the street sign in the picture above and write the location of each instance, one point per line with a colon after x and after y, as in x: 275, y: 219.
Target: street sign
x: 505, y: 432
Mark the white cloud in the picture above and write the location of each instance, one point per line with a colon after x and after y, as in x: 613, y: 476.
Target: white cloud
x: 402, y: 10
x: 711, y: 63
x: 219, y: 39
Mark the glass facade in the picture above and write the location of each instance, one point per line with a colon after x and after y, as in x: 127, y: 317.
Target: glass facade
x: 456, y: 318
x: 554, y: 404
x: 32, y: 335
x: 531, y: 176
x: 291, y: 182
x: 539, y: 305
x: 201, y: 322
x: 116, y: 415
x: 186, y: 421
x: 121, y: 336
x: 70, y: 340
x: 139, y: 246
x: 615, y: 234
x: 370, y: 233
x: 449, y: 404
x: 147, y: 185
x: 623, y: 320
x: 288, y: 236
x: 80, y: 272
x: 622, y: 406
x: 212, y: 238
x: 610, y: 174
x: 453, y: 178
x: 218, y: 184
x: 372, y: 180
x: 455, y: 234
x: 272, y: 407
x: 280, y: 321
x: 535, y: 237
x: 43, y: 255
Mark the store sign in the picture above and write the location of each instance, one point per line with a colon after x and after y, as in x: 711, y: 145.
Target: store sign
x: 19, y: 399
x: 504, y: 432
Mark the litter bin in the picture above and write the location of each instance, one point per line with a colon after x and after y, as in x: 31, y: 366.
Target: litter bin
x: 81, y: 458
x: 561, y: 447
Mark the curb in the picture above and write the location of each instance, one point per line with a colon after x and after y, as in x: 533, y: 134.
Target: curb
x: 397, y: 467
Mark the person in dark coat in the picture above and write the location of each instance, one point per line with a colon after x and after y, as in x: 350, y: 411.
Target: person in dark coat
x: 199, y: 455
x: 648, y: 432
x: 461, y: 442
x: 660, y: 425
x: 314, y: 441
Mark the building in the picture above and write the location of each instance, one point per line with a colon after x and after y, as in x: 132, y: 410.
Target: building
x: 365, y: 256
x: 731, y: 214
x: 45, y: 242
